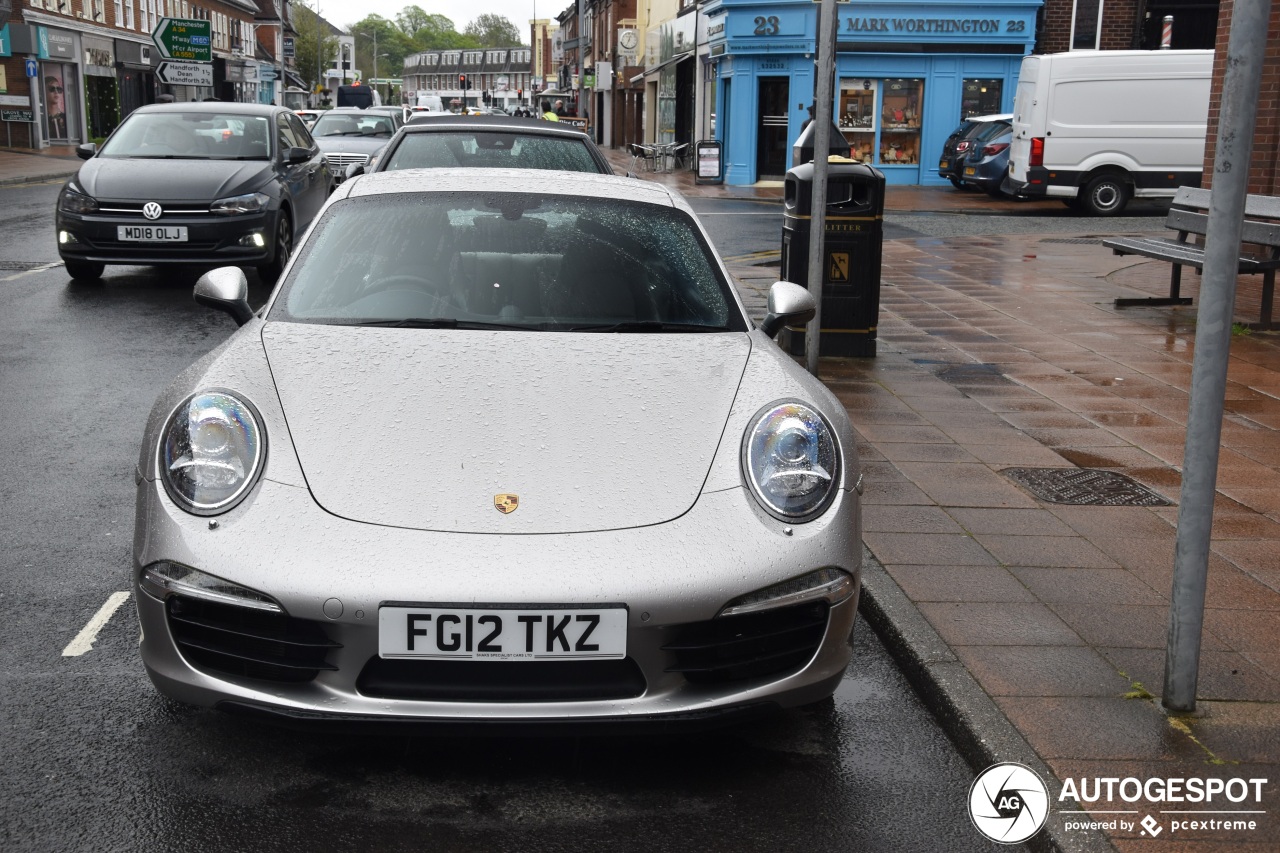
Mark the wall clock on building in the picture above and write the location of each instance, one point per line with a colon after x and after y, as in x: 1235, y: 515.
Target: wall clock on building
x: 627, y: 39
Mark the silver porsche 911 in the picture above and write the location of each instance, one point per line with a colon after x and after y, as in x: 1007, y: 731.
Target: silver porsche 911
x: 500, y: 447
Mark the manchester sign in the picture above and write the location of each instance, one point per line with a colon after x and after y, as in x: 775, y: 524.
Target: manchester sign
x: 184, y: 39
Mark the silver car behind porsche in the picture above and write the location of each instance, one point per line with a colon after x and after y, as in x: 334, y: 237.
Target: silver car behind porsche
x: 502, y: 447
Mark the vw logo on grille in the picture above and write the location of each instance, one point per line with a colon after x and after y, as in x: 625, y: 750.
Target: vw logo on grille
x: 151, y: 210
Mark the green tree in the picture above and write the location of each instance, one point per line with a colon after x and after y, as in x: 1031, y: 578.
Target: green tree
x: 314, y: 47
x: 494, y: 31
x: 392, y: 46
x: 431, y: 32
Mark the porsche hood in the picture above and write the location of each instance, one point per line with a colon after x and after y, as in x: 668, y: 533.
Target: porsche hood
x: 504, y: 432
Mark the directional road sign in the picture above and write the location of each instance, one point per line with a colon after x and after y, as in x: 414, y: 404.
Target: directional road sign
x: 183, y: 39
x: 185, y: 73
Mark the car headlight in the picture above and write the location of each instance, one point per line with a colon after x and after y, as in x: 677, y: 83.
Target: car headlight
x: 211, y: 452
x: 164, y: 579
x: 248, y: 203
x: 830, y: 585
x: 791, y: 461
x: 74, y: 201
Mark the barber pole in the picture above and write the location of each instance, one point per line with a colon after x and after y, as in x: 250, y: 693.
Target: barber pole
x: 1166, y: 35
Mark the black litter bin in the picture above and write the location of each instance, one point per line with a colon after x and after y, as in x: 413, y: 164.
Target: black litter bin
x: 851, y: 262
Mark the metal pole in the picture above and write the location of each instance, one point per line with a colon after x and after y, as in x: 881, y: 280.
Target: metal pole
x: 823, y: 98
x: 1237, y: 119
x: 319, y: 51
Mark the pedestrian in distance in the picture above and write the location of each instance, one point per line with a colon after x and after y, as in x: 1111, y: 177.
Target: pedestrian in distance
x: 547, y: 113
x: 560, y: 110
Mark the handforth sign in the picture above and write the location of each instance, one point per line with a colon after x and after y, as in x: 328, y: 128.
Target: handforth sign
x: 185, y: 73
x: 183, y: 39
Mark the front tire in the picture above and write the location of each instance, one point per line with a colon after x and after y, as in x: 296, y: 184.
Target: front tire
x: 956, y: 182
x: 1105, y: 195
x: 85, y: 270
x: 270, y: 272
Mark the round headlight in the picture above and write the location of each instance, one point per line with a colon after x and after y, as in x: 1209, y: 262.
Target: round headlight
x: 790, y: 458
x: 211, y: 452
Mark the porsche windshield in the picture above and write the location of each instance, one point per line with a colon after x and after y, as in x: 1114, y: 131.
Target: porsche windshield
x: 191, y: 136
x: 508, y: 260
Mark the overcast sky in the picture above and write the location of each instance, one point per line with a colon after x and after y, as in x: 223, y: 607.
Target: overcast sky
x: 461, y: 12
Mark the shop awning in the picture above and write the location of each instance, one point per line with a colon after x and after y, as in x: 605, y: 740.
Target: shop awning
x: 649, y: 72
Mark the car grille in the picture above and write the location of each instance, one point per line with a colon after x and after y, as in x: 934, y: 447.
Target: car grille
x: 342, y: 161
x: 130, y: 208
x: 224, y: 638
x: 501, y: 681
x: 754, y: 645
x: 130, y: 248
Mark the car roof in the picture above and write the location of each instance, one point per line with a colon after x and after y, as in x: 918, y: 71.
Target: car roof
x: 364, y: 110
x: 214, y: 107
x: 992, y: 117
x: 527, y: 126
x: 531, y: 181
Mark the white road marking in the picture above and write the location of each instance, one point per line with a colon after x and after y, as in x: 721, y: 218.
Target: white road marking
x: 85, y: 639
x: 29, y: 272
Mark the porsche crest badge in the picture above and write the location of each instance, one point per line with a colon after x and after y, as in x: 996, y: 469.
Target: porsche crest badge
x: 506, y: 503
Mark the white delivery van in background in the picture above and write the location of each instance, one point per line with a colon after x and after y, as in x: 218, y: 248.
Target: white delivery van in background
x: 429, y: 100
x: 1098, y: 127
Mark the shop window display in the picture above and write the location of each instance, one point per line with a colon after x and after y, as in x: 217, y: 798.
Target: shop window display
x: 857, y: 117
x: 981, y: 97
x: 900, y: 114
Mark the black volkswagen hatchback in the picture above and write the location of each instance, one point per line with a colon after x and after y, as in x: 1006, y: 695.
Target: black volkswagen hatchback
x: 218, y: 184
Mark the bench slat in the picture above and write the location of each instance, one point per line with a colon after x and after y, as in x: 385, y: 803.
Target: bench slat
x: 1256, y: 206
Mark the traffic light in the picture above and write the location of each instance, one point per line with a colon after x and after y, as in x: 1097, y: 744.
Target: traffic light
x: 462, y: 82
x: 519, y: 94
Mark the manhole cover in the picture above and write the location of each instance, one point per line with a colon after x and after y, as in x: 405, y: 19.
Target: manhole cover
x: 1079, y: 241
x: 1084, y: 486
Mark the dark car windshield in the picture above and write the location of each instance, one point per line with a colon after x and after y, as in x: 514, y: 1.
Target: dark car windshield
x: 491, y: 149
x: 347, y: 124
x: 191, y: 136
x: 508, y: 260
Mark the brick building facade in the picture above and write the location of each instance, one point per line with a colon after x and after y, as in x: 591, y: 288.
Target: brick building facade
x: 1264, y: 167
x: 1124, y: 24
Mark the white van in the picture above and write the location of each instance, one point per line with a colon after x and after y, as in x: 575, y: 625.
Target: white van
x: 1098, y: 127
x: 431, y: 101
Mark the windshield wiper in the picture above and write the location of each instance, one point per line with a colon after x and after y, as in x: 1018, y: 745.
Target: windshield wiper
x: 648, y: 326
x: 167, y: 157
x: 441, y: 323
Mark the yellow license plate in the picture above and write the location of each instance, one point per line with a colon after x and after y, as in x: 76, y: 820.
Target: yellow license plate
x: 969, y: 170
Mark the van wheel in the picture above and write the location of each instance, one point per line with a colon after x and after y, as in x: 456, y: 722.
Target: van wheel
x: 1105, y: 195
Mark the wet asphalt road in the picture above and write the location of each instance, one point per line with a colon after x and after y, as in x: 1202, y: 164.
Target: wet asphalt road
x: 91, y: 758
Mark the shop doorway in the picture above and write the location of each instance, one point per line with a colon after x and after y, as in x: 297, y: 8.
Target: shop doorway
x: 771, y: 139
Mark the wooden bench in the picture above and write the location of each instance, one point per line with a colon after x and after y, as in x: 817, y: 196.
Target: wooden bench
x: 1189, y: 215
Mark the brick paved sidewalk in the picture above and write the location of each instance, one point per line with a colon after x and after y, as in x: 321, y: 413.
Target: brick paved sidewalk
x: 1006, y: 352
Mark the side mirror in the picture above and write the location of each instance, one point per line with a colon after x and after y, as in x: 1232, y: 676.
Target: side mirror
x: 789, y: 305
x: 294, y: 156
x: 85, y: 150
x: 226, y: 289
x: 354, y: 170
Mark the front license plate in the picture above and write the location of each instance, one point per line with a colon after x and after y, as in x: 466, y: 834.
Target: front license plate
x: 970, y: 170
x: 152, y: 233
x: 497, y: 634
x: 942, y: 164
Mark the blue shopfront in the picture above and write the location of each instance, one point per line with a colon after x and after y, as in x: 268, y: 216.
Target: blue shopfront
x: 906, y: 73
